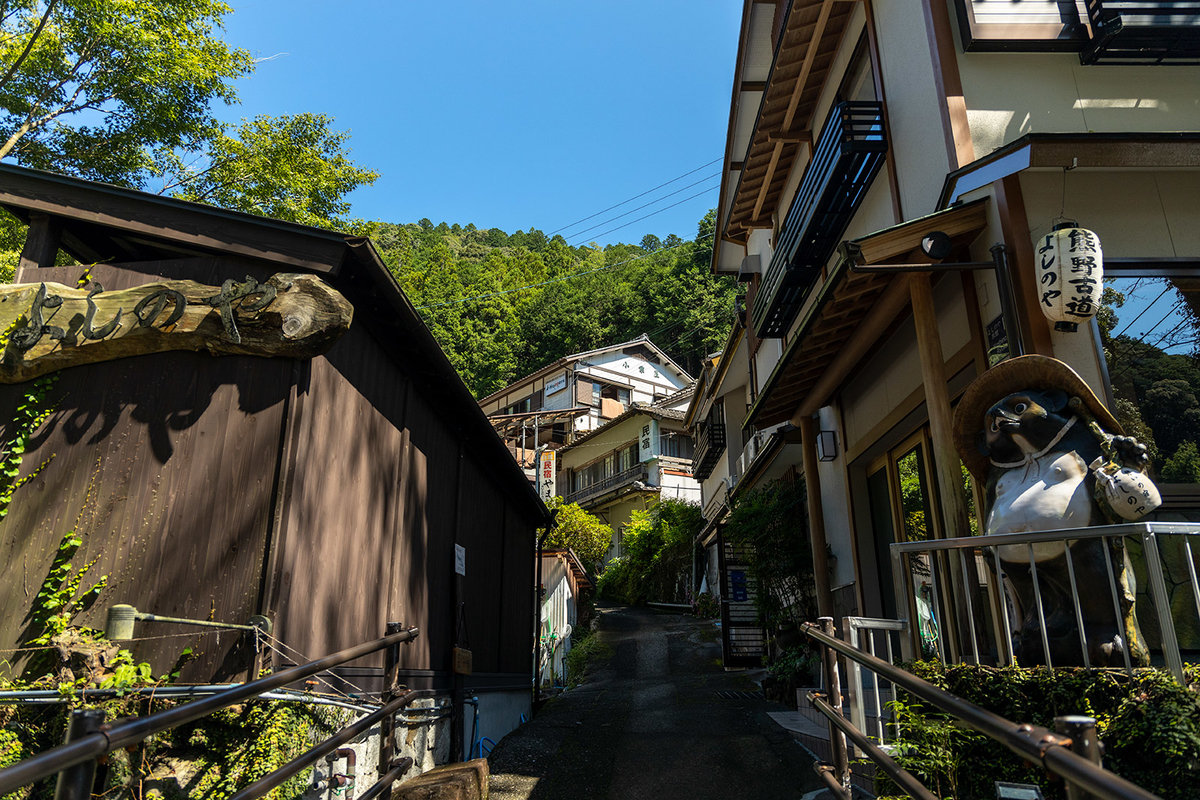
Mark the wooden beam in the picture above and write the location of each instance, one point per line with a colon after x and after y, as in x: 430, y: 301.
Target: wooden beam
x: 800, y: 137
x: 816, y: 517
x: 810, y: 56
x: 191, y: 226
x: 41, y: 243
x: 1014, y: 225
x: 753, y: 86
x: 893, y: 300
x: 766, y: 184
x: 946, y: 469
x: 937, y: 400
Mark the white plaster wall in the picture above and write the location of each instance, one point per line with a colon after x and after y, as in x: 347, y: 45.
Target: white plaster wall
x: 954, y: 326
x: 891, y: 375
x: 680, y: 487
x: 1011, y: 94
x: 769, y: 352
x: 500, y: 713
x: 1136, y: 213
x: 918, y: 137
x: 832, y: 475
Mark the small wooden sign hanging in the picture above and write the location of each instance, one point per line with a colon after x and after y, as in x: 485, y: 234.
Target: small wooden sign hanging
x: 462, y: 661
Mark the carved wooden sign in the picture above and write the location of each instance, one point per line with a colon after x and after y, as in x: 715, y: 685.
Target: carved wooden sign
x: 48, y: 326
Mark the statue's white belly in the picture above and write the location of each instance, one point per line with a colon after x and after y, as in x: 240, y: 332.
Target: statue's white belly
x: 1049, y: 494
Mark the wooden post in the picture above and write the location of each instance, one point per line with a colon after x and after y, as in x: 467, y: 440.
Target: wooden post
x: 816, y: 517
x: 947, y: 470
x: 41, y: 243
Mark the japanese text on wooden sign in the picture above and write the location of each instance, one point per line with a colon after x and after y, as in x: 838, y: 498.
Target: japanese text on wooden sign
x: 547, y: 488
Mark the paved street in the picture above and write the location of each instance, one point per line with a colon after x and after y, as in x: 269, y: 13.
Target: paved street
x: 648, y: 723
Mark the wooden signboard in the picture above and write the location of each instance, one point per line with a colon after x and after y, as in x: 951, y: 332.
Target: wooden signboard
x: 47, y: 327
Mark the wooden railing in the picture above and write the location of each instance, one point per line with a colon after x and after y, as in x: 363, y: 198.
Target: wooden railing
x: 640, y: 472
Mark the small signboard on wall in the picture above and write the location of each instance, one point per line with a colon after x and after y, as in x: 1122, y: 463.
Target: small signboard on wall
x: 997, y: 341
x: 556, y: 384
x: 460, y: 560
x: 547, y: 488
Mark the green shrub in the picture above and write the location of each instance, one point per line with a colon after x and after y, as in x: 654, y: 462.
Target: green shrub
x: 1150, y: 727
x: 585, y: 649
x: 706, y: 606
x: 658, y: 554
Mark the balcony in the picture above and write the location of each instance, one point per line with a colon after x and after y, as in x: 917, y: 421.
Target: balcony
x: 710, y: 442
x: 1143, y: 32
x: 639, y: 472
x: 846, y: 159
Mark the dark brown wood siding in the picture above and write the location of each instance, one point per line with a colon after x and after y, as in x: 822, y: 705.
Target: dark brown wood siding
x: 327, y: 494
x: 164, y: 465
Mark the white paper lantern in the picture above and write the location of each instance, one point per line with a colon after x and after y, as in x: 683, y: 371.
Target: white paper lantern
x: 1070, y: 275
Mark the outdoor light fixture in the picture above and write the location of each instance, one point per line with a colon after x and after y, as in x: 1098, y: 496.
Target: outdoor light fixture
x: 936, y: 244
x: 826, y: 445
x: 121, y: 618
x: 1070, y: 275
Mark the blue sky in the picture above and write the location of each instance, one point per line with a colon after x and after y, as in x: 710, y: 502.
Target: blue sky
x: 508, y: 114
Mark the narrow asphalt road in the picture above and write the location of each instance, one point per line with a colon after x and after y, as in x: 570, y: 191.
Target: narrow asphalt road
x: 649, y: 723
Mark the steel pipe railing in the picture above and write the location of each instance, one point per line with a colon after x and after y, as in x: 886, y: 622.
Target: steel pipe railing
x: 1033, y: 743
x: 130, y: 731
x: 278, y: 776
x: 903, y: 778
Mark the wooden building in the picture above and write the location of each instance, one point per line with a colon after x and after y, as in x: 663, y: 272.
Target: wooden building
x: 326, y: 493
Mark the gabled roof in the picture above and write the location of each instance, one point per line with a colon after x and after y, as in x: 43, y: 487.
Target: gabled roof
x: 100, y: 222
x: 634, y: 410
x: 643, y: 340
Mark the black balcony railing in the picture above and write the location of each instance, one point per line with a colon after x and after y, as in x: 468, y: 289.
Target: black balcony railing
x: 710, y: 442
x: 847, y: 156
x: 639, y: 472
x: 1143, y: 32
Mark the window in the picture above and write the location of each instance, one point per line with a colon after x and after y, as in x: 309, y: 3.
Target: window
x: 858, y: 83
x: 627, y: 457
x: 676, y: 445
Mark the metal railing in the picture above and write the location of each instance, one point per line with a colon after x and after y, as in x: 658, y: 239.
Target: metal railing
x: 89, y: 737
x: 846, y: 157
x: 859, y: 629
x: 925, y: 567
x: 1072, y: 752
x: 639, y: 472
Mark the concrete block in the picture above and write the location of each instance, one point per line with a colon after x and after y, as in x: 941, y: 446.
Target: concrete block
x: 466, y: 781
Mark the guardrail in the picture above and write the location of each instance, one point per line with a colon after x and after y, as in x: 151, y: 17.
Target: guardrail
x: 641, y: 472
x: 1072, y: 752
x: 925, y: 568
x: 90, y: 738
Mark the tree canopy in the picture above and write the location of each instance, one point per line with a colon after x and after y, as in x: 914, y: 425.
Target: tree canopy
x: 123, y: 91
x: 505, y: 305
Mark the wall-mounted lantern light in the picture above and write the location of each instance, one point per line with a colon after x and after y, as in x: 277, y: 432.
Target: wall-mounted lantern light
x: 826, y: 446
x: 1070, y: 275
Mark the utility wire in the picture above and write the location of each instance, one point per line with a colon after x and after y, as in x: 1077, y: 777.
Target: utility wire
x: 1144, y: 310
x: 563, y: 277
x: 578, y: 234
x: 659, y: 211
x: 635, y: 197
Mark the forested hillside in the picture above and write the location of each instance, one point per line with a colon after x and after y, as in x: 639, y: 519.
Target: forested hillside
x: 503, y: 305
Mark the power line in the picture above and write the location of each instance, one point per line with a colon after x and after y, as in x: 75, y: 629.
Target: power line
x: 1144, y: 310
x: 578, y: 234
x: 564, y: 277
x: 652, y: 213
x: 635, y: 197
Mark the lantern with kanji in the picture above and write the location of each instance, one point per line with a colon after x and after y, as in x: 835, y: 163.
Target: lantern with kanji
x: 1070, y: 275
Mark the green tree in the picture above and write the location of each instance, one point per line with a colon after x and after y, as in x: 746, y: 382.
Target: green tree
x: 291, y: 167
x: 94, y: 87
x: 582, y: 532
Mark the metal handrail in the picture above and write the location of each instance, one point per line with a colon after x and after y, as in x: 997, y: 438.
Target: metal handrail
x: 130, y: 731
x: 280, y: 775
x: 1033, y: 743
x: 903, y: 778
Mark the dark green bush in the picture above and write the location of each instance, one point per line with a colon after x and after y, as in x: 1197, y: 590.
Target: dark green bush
x: 658, y: 554
x: 1149, y: 724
